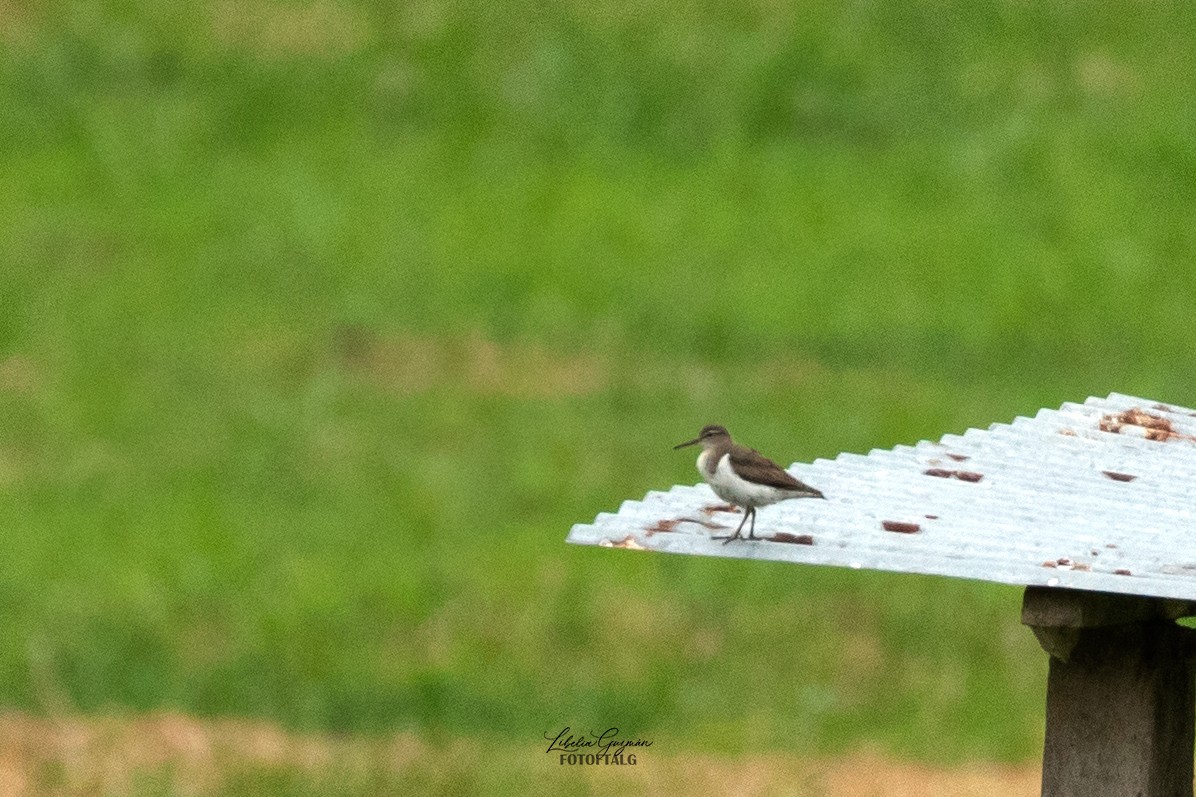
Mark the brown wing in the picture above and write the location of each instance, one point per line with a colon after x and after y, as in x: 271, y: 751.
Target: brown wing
x: 756, y: 467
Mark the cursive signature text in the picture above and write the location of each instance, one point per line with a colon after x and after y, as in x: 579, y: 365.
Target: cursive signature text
x: 605, y: 741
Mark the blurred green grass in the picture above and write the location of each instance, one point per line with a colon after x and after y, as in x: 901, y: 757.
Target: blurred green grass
x: 321, y: 324
x: 151, y: 754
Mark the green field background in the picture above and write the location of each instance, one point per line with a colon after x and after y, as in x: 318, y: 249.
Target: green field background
x: 320, y: 325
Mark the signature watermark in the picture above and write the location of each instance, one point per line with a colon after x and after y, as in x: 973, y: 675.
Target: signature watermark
x: 594, y: 749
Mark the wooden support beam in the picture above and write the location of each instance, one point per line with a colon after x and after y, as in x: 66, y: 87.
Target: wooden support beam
x: 1121, y: 694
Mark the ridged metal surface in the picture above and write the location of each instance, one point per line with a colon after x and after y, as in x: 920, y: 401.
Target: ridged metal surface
x: 1099, y: 496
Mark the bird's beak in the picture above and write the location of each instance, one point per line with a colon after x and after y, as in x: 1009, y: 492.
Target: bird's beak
x: 695, y: 441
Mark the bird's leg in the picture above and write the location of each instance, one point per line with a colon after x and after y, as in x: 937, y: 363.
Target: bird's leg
x: 752, y: 532
x: 735, y: 536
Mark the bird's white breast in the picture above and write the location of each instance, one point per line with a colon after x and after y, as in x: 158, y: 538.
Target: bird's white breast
x: 728, y: 485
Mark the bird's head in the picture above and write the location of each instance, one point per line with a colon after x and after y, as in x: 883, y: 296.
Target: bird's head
x: 711, y: 435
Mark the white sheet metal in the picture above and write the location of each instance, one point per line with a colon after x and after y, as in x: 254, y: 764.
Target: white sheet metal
x: 1099, y: 496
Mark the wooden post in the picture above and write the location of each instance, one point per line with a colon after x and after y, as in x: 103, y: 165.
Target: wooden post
x: 1121, y: 696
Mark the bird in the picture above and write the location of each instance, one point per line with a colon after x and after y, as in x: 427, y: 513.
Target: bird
x: 743, y: 476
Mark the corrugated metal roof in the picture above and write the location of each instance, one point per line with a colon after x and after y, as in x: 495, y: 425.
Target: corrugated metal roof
x: 1099, y: 496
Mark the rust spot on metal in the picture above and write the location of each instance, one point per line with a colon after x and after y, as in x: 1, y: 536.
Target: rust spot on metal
x: 1155, y: 427
x: 670, y: 524
x: 959, y: 457
x: 1112, y: 422
x: 1121, y: 571
x: 710, y: 509
x: 1119, y: 477
x: 962, y: 475
x: 901, y: 528
x: 1067, y: 564
x: 1068, y: 432
x: 795, y: 539
x: 627, y: 542
x: 664, y: 525
x: 1162, y: 408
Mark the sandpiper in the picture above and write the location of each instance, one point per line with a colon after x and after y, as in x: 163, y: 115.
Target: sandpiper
x: 743, y: 476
